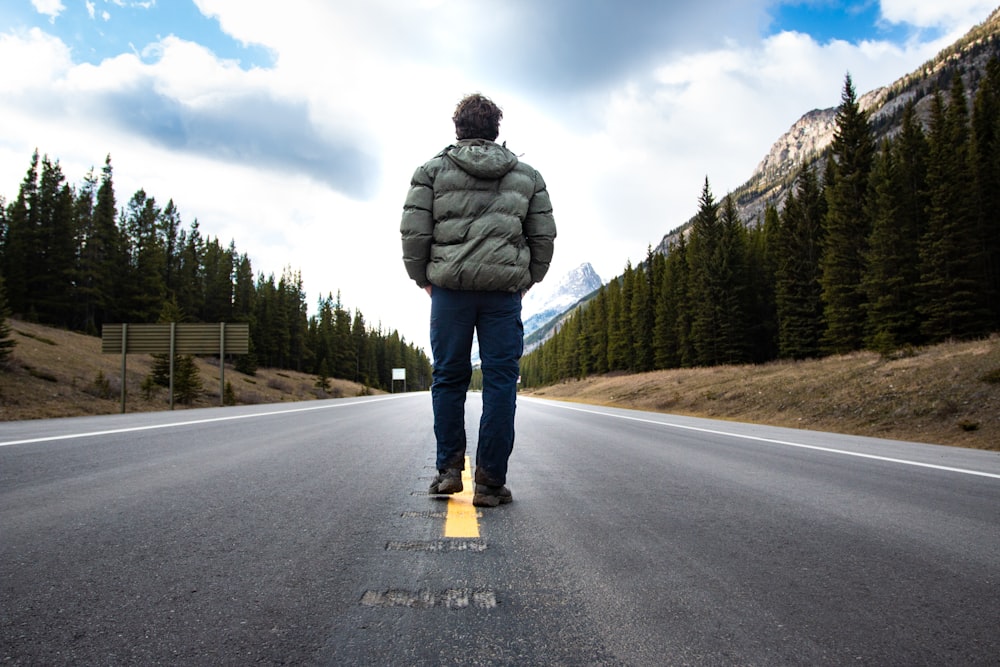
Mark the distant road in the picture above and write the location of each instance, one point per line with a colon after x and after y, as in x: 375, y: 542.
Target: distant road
x: 302, y: 534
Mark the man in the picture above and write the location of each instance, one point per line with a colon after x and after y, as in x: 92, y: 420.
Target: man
x: 477, y: 232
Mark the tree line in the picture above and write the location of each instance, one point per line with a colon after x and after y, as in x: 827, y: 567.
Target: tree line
x: 878, y: 246
x: 70, y: 258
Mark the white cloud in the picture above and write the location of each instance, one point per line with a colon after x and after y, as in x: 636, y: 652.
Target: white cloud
x: 715, y: 114
x: 949, y: 16
x: 41, y: 58
x: 50, y: 8
x: 138, y: 4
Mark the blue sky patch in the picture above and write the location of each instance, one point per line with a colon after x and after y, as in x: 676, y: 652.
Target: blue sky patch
x: 98, y: 29
x: 827, y: 20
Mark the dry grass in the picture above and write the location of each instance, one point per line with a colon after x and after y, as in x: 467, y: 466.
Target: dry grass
x: 54, y: 373
x: 947, y: 394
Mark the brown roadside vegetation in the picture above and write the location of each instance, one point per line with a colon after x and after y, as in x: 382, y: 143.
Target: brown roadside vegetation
x: 57, y: 373
x: 946, y: 394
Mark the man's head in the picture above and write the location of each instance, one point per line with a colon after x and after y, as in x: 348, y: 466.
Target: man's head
x: 476, y: 117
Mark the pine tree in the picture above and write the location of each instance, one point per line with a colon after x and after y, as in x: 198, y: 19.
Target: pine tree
x: 294, y: 301
x: 951, y: 291
x: 625, y: 349
x: 679, y: 273
x: 898, y: 205
x: 910, y: 154
x: 190, y: 290
x: 612, y: 301
x: 219, y: 265
x: 985, y: 158
x: 247, y: 363
x: 102, y: 255
x: 21, y: 242
x: 188, y: 385
x: 83, y: 215
x: 798, y: 289
x: 6, y: 342
x: 244, y: 300
x: 160, y: 372
x: 342, y: 350
x: 265, y: 336
x: 884, y: 284
x: 144, y: 290
x: 600, y: 330
x: 643, y: 316
x: 762, y: 261
x: 187, y: 380
x: 51, y: 278
x: 665, y: 316
x: 734, y: 297
x: 704, y: 287
x: 229, y: 394
x: 323, y: 377
x: 169, y: 229
x: 3, y: 232
x: 244, y: 294
x: 847, y: 227
x: 569, y: 335
x: 584, y: 342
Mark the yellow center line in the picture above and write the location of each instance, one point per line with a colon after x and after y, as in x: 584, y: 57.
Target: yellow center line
x: 462, y: 519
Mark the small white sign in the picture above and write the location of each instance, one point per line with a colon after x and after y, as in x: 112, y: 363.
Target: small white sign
x: 399, y: 374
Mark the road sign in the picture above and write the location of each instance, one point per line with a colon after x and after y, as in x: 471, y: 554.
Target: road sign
x: 173, y: 338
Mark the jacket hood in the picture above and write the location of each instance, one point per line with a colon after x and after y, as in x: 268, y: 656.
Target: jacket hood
x: 481, y: 158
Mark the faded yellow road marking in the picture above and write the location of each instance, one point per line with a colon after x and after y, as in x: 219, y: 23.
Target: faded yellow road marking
x: 462, y: 519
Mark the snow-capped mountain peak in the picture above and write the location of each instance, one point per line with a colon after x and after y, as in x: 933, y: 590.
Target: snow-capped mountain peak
x: 551, y: 298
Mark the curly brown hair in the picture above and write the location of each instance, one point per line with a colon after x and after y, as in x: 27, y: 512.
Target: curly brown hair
x: 477, y: 117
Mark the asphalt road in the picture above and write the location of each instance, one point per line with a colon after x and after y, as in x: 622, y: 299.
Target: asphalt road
x: 302, y: 534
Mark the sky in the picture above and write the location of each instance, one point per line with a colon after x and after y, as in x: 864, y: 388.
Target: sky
x: 293, y: 128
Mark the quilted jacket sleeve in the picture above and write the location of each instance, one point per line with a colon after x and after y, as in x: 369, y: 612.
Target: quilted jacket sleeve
x: 417, y: 226
x: 540, y: 230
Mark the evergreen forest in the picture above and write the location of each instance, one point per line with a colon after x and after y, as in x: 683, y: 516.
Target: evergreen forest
x: 71, y: 258
x: 880, y: 247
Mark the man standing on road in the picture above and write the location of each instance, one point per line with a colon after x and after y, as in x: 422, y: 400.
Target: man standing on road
x: 477, y: 232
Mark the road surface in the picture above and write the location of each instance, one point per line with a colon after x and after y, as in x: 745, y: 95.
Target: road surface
x: 302, y: 534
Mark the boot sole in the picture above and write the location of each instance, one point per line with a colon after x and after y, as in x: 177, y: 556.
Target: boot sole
x: 490, y: 501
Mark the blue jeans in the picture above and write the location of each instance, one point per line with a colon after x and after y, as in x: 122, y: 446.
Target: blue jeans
x: 496, y: 319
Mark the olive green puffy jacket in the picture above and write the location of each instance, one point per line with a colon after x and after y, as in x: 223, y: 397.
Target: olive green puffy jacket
x: 476, y: 218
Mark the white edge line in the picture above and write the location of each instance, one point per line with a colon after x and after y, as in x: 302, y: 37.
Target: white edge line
x: 786, y: 443
x: 70, y: 436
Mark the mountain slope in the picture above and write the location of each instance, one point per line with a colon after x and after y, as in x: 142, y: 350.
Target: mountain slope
x: 809, y: 137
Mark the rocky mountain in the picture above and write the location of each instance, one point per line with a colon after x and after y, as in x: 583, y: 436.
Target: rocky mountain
x: 550, y: 298
x: 809, y: 137
x: 549, y: 302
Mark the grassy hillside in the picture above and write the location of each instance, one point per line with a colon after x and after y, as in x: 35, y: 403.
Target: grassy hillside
x: 55, y: 373
x: 947, y: 394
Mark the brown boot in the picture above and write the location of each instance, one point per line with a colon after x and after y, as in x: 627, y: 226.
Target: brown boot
x: 447, y: 481
x: 491, y: 496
